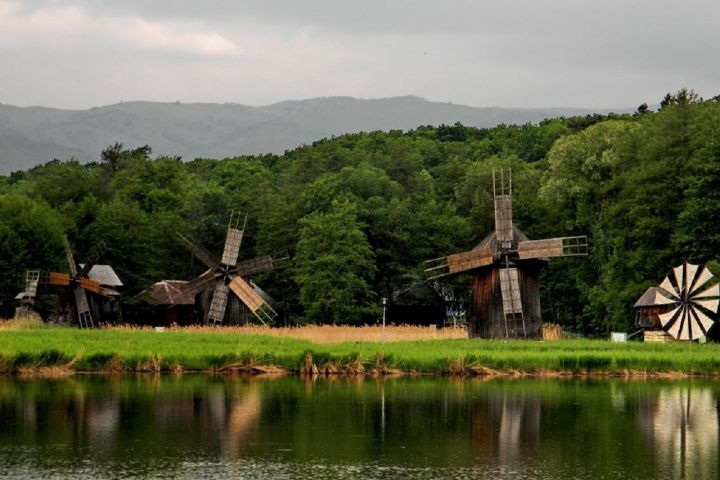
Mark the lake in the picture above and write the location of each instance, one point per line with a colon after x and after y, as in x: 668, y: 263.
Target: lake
x: 202, y: 426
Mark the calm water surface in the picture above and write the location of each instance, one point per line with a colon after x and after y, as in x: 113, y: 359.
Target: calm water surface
x: 196, y: 426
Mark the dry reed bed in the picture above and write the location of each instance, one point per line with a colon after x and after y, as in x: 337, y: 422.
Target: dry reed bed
x: 325, y: 334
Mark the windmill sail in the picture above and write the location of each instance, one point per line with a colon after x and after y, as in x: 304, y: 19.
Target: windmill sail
x: 459, y: 262
x: 689, y: 320
x: 553, y: 247
x: 31, y: 283
x: 70, y: 257
x: 502, y: 189
x: 200, y: 252
x: 233, y: 239
x: 252, y: 300
x: 219, y: 302
x: 198, y: 284
x: 255, y: 265
x: 84, y: 317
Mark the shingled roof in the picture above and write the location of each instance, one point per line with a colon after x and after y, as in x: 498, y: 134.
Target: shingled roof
x: 647, y: 299
x: 167, y: 292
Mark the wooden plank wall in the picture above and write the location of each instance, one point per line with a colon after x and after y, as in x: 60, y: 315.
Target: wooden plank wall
x: 486, y: 312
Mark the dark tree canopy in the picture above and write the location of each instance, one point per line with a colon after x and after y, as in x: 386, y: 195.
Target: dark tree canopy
x: 360, y: 212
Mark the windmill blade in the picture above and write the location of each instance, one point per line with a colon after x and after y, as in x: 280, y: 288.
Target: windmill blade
x: 197, y: 285
x: 661, y: 299
x: 669, y: 288
x: 57, y: 278
x: 201, y: 253
x: 713, y: 291
x: 70, y: 257
x: 701, y: 279
x: 690, y: 272
x: 233, y: 239
x: 219, y: 301
x: 503, y: 207
x: 676, y: 329
x: 92, y: 261
x: 503, y: 218
x: 92, y: 285
x: 680, y: 279
x: 84, y: 317
x: 702, y: 319
x: 252, y: 300
x: 252, y: 266
x: 711, y: 305
x: 668, y: 317
x: 32, y: 277
x: 459, y: 262
x: 553, y: 247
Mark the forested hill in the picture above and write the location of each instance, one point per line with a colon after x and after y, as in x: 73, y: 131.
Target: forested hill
x: 360, y: 212
x: 31, y: 136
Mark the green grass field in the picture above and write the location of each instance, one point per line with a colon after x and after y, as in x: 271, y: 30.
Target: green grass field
x: 147, y: 350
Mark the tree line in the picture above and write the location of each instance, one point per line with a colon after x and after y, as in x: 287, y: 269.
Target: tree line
x: 359, y: 213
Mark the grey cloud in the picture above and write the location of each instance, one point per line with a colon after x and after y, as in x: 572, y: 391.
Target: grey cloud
x: 614, y: 53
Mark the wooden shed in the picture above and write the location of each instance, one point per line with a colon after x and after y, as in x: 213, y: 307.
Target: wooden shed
x: 169, y: 305
x: 647, y: 311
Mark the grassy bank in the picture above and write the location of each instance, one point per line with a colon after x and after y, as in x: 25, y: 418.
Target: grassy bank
x: 124, y: 350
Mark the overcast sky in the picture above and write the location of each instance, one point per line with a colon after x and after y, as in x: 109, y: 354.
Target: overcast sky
x: 511, y: 53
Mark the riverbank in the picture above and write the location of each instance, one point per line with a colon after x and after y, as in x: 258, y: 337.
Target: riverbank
x: 57, y: 351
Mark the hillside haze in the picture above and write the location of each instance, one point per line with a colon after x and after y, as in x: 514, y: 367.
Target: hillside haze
x: 34, y: 135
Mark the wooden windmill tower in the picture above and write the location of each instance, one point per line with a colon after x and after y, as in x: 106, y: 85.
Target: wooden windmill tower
x: 79, y: 284
x: 226, y: 275
x: 505, y: 299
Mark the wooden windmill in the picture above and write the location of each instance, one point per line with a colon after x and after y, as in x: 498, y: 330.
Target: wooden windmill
x: 505, y: 299
x: 226, y: 276
x: 78, y: 283
x: 688, y: 309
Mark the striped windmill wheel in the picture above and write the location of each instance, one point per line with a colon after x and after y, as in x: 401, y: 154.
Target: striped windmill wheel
x: 692, y: 306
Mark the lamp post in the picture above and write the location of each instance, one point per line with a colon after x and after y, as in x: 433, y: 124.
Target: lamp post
x: 384, y: 304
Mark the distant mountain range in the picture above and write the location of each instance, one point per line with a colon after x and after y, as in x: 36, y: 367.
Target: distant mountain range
x: 34, y: 135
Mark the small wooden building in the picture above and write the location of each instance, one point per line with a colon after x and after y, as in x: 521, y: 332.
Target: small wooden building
x: 647, y: 311
x: 168, y: 304
x: 647, y: 316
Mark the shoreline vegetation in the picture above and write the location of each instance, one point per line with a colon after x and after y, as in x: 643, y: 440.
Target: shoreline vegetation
x: 31, y: 349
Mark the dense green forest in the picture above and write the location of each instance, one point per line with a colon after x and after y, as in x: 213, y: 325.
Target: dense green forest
x: 360, y: 212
